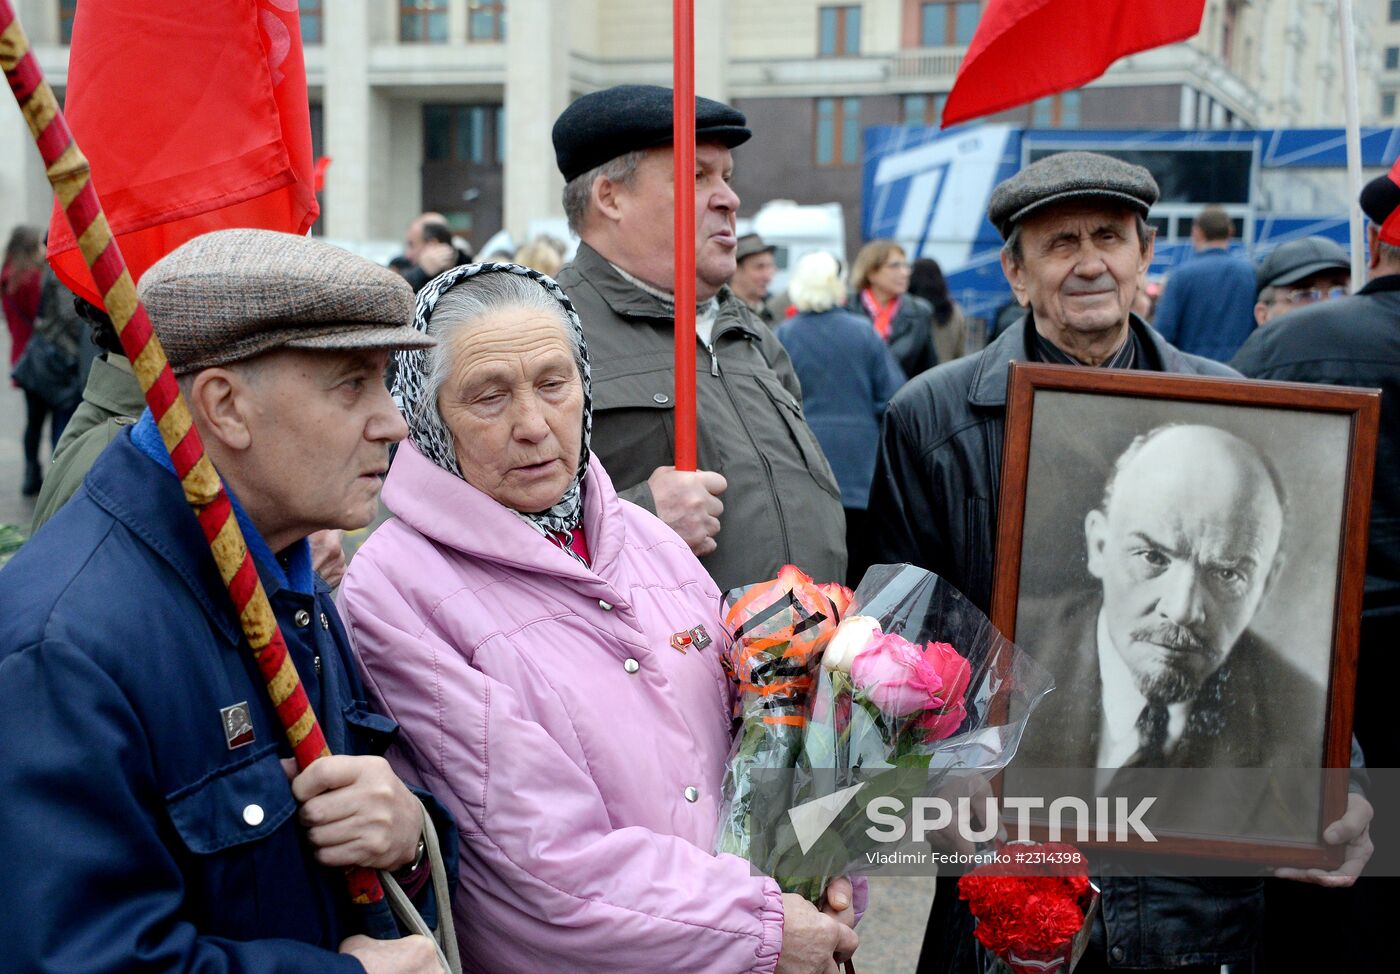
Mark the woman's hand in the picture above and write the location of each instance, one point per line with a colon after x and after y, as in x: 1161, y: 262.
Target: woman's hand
x: 813, y: 942
x: 840, y: 902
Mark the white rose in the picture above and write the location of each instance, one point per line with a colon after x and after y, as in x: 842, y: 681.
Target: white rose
x: 850, y: 637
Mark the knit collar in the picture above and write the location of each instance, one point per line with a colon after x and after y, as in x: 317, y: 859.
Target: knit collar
x: 702, y: 308
x: 291, y: 571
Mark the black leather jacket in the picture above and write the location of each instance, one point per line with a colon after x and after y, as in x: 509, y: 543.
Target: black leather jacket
x: 911, y: 333
x: 1353, y: 341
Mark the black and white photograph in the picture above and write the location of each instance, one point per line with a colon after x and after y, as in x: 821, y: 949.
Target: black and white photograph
x: 1180, y: 569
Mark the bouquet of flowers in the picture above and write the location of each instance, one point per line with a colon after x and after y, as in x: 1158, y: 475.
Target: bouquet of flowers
x: 1034, y: 906
x: 914, y: 684
x: 778, y: 631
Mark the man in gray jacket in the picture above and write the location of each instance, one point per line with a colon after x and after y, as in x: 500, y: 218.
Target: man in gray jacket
x: 764, y: 495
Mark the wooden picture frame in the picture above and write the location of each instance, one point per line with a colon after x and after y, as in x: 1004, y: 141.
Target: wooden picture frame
x: 1081, y: 570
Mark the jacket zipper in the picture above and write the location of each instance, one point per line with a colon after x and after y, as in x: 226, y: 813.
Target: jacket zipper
x: 767, y: 467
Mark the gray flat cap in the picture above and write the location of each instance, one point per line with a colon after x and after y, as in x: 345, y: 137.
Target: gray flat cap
x: 1068, y: 176
x: 751, y: 244
x: 1291, y: 262
x: 230, y: 295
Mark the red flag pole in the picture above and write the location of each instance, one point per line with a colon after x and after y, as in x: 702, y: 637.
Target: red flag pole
x: 67, y: 170
x: 683, y: 139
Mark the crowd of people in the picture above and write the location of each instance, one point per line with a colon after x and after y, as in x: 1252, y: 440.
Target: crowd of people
x: 498, y: 667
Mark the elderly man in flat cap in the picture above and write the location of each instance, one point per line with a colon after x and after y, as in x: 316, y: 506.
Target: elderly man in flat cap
x: 151, y: 820
x: 1298, y: 274
x: 764, y: 494
x: 1076, y: 242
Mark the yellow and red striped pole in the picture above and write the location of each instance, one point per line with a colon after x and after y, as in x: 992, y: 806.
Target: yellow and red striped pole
x: 68, y: 173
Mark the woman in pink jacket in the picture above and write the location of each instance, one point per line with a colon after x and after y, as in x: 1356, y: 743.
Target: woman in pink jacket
x: 515, y: 617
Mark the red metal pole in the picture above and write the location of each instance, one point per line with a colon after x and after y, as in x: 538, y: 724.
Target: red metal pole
x: 683, y: 139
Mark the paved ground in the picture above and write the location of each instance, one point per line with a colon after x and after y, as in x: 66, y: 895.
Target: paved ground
x: 893, y: 928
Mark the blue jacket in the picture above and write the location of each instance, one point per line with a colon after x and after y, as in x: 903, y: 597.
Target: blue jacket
x: 1207, y: 308
x: 848, y: 375
x: 134, y: 833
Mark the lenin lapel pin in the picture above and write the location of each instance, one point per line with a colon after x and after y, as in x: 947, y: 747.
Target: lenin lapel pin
x: 238, y: 725
x: 686, y: 638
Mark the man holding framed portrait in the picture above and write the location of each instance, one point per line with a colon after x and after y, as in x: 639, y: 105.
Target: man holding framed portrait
x: 1076, y: 243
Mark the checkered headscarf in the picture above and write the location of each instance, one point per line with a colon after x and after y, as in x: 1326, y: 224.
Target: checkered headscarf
x: 425, y: 425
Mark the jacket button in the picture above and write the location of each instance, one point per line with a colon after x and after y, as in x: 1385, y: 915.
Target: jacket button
x: 302, y: 619
x: 605, y: 606
x: 1118, y: 953
x: 253, y: 815
x: 325, y: 621
x: 661, y: 399
x: 692, y: 794
x: 631, y: 665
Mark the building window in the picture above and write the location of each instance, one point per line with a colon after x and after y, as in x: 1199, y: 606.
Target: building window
x: 1394, y: 11
x: 838, y: 32
x: 948, y: 24
x: 838, y: 132
x: 66, y: 10
x: 463, y: 133
x: 486, y: 20
x: 310, y: 21
x: 1388, y: 104
x: 1056, y: 112
x: 1392, y: 58
x: 423, y: 21
x: 921, y: 110
x: 500, y: 135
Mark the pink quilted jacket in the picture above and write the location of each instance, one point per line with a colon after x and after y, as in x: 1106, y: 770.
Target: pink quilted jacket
x: 581, y: 754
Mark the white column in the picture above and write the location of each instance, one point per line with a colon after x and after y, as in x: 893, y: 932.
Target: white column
x: 712, y: 48
x: 537, y: 90
x: 350, y: 129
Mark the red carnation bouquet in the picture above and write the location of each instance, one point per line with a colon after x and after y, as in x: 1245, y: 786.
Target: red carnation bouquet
x: 1034, y: 906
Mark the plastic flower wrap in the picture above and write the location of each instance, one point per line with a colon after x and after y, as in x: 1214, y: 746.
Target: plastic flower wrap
x: 778, y: 630
x: 1034, y: 906
x: 914, y: 684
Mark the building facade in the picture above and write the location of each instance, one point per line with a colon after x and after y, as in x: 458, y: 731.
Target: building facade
x: 447, y: 104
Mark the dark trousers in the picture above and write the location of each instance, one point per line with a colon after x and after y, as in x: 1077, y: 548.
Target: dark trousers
x: 36, y: 410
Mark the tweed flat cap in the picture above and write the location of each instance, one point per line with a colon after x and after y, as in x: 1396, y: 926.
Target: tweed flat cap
x: 603, y: 125
x: 230, y: 295
x: 1068, y: 176
x: 1297, y: 259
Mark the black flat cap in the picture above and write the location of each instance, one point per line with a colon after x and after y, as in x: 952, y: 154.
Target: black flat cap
x: 603, y: 125
x: 1297, y: 259
x: 1068, y: 176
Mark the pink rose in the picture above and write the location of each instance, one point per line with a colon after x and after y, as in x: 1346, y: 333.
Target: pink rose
x: 896, y: 677
x: 955, y: 672
x: 936, y: 725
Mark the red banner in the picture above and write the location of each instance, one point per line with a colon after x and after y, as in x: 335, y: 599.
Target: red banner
x: 1026, y: 49
x: 193, y: 117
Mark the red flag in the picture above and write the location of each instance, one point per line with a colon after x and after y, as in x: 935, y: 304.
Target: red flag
x: 1026, y: 49
x: 193, y: 118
